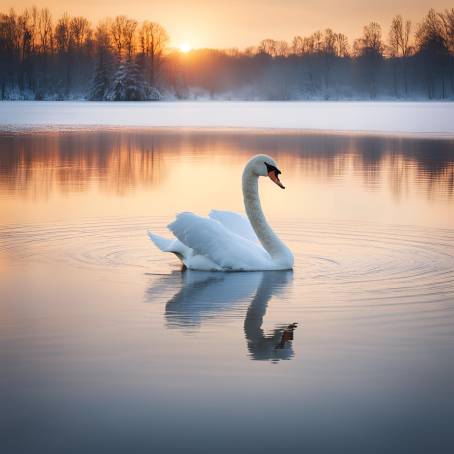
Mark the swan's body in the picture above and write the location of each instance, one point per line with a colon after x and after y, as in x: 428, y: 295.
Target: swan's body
x: 228, y: 241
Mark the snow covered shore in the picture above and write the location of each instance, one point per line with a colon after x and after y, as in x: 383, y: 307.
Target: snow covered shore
x: 387, y: 117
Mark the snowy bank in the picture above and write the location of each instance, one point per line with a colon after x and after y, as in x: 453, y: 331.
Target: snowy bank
x: 387, y: 117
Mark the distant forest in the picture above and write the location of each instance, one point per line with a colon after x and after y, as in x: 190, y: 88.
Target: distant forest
x: 119, y: 59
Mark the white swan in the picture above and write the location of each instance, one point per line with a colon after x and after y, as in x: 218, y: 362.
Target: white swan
x: 228, y: 241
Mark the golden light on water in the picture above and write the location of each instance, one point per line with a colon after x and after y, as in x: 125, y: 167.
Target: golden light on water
x: 71, y: 175
x: 92, y: 315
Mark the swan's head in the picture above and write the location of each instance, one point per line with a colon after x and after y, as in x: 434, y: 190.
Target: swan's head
x: 263, y: 165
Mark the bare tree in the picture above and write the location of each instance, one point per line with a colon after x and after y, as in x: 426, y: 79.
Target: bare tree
x: 23, y: 31
x: 317, y: 41
x: 282, y: 49
x: 341, y: 45
x: 80, y: 31
x: 62, y: 33
x: 399, y: 37
x: 298, y: 45
x: 400, y: 49
x: 64, y: 44
x: 102, y: 35
x: 369, y: 52
x: 447, y: 18
x: 268, y: 46
x: 371, y: 41
x: 34, y: 19
x: 128, y: 33
x: 433, y: 46
x: 122, y: 30
x: 153, y: 42
x: 448, y: 21
x: 309, y: 44
x: 430, y: 33
x: 251, y: 51
x: 45, y: 31
x: 329, y: 42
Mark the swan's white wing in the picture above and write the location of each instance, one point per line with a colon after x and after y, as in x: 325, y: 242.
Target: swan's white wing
x: 208, y: 237
x: 235, y: 222
x: 183, y: 252
x: 170, y: 245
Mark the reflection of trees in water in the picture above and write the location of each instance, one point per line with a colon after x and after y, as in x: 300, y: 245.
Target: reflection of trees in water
x: 37, y: 165
x: 368, y: 163
x: 119, y: 161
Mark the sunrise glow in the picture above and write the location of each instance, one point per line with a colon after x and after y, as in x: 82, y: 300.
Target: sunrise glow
x: 185, y: 47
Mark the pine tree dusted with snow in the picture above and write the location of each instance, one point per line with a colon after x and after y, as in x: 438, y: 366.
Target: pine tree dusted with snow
x: 101, y: 83
x: 153, y: 94
x: 129, y: 85
x: 125, y: 87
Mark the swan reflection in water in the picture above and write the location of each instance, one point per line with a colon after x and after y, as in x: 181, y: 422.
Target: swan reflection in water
x: 208, y: 295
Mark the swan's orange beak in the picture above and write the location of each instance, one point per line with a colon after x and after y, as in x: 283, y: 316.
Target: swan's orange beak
x: 275, y: 179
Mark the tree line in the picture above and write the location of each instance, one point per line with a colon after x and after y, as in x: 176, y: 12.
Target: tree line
x: 122, y: 59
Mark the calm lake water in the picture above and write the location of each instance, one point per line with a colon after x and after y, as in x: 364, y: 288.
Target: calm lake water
x: 106, y: 346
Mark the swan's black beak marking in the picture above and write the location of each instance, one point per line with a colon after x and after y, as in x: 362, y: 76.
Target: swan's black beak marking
x: 273, y: 173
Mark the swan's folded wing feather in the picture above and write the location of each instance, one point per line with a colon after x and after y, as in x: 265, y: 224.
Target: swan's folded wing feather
x: 210, y: 238
x: 169, y: 245
x: 235, y: 222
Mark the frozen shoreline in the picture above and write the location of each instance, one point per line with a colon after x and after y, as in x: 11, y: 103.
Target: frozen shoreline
x: 427, y: 118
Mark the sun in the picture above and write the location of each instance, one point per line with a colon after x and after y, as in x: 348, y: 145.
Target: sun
x: 185, y: 47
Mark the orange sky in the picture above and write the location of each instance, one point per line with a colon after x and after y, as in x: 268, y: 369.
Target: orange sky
x: 236, y: 23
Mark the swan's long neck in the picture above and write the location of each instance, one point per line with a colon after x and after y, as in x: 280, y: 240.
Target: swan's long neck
x: 270, y: 241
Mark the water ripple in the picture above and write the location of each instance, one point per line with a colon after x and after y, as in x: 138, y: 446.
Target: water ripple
x: 358, y: 263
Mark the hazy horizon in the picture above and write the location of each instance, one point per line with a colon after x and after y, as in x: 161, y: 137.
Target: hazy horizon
x: 203, y: 24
